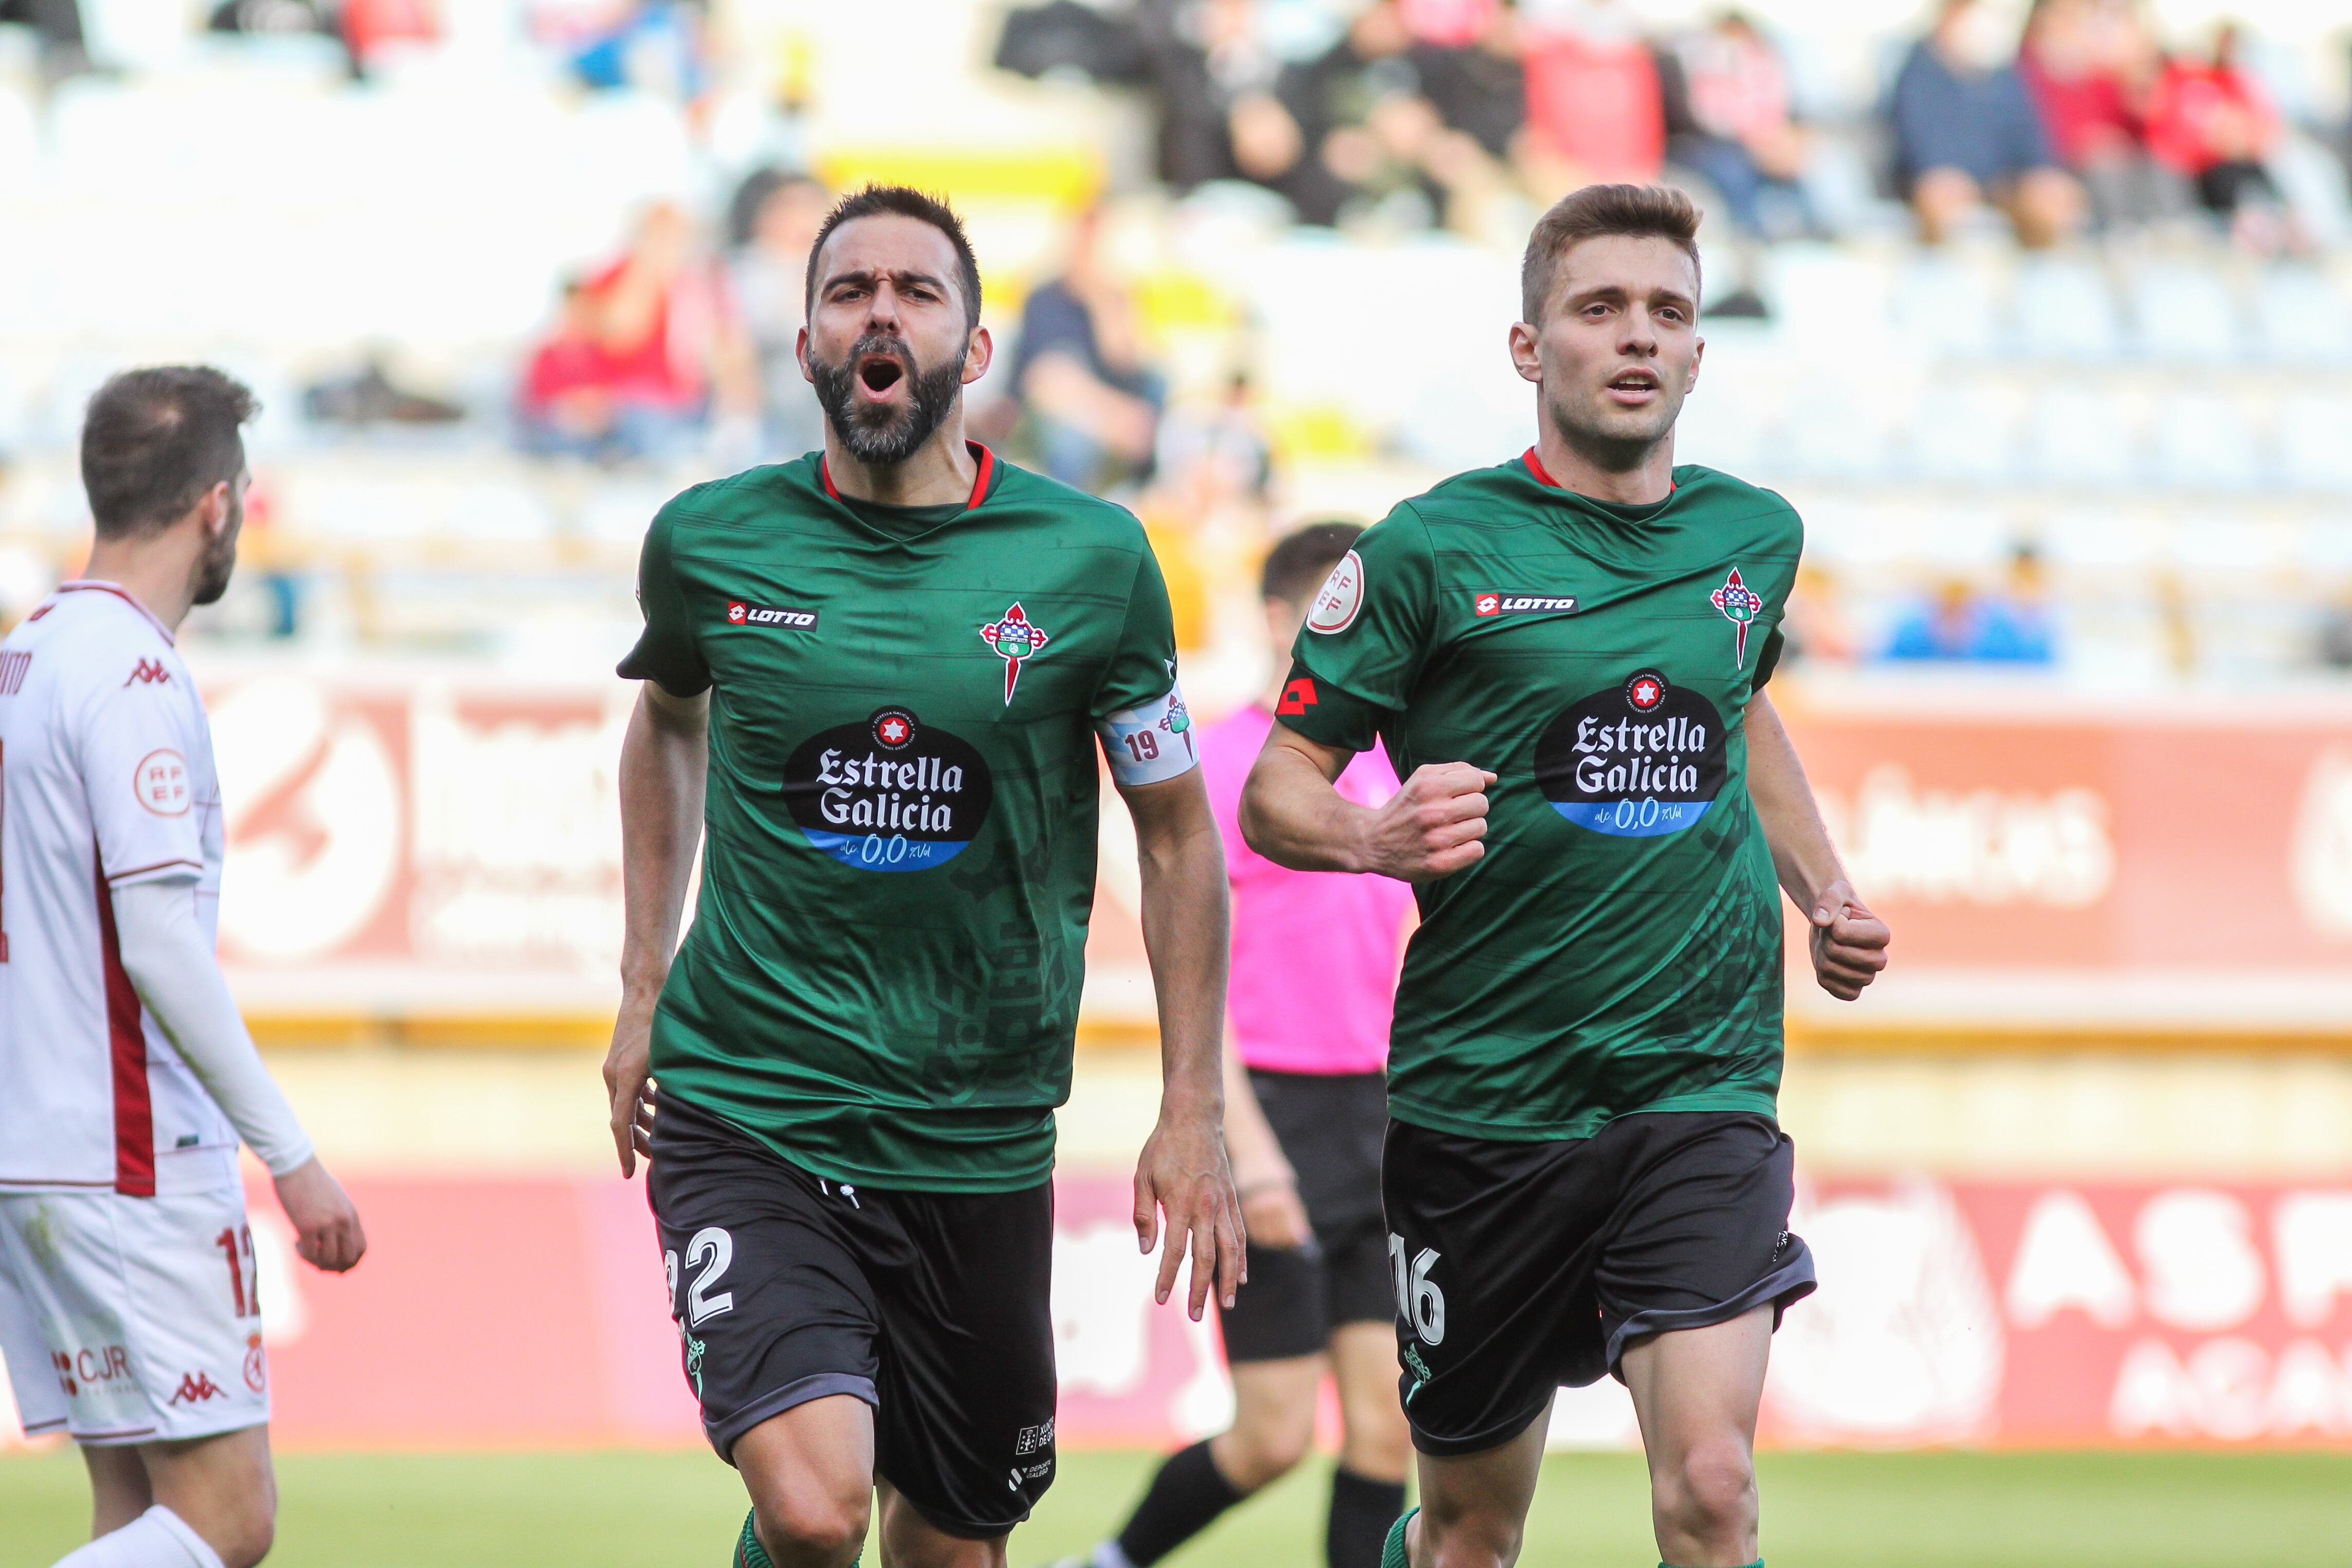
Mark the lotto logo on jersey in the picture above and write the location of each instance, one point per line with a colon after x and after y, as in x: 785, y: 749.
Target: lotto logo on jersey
x: 160, y: 782
x: 1296, y: 698
x: 1486, y: 604
x: 741, y: 613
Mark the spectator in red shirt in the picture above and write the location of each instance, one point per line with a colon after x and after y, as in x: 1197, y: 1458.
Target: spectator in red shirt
x: 2210, y: 120
x: 1729, y: 111
x: 1595, y: 111
x: 2089, y: 65
x: 648, y: 350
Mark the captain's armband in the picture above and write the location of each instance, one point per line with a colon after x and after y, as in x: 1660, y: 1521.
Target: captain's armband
x: 1150, y: 743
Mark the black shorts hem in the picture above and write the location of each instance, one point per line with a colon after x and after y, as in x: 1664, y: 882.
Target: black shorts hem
x: 948, y: 1524
x: 725, y: 1435
x: 1493, y: 1438
x: 1791, y: 1282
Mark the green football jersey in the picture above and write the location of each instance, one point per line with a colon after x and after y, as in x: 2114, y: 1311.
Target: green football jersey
x: 881, y: 980
x: 1617, y: 948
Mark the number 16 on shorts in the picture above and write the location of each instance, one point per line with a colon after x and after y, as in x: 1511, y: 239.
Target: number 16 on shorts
x: 1418, y: 1301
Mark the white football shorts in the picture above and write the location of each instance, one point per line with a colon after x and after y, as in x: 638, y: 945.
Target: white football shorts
x: 131, y: 1320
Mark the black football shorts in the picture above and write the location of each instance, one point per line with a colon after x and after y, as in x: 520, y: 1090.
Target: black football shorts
x: 1523, y: 1267
x: 1330, y: 1126
x: 932, y: 1307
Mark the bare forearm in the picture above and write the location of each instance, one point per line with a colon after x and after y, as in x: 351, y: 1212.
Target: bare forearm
x: 663, y: 760
x: 1802, y: 856
x: 1292, y: 815
x: 1184, y: 935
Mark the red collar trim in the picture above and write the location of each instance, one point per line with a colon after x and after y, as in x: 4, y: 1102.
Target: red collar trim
x: 983, y: 458
x: 92, y: 585
x: 1535, y: 467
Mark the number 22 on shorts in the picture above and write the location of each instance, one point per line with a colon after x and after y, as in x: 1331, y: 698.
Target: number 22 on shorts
x: 1418, y: 1297
x: 710, y: 1253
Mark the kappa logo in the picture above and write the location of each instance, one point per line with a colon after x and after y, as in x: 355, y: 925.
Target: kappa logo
x: 150, y: 673
x: 195, y: 1387
x: 1014, y: 637
x: 1485, y: 604
x: 1296, y: 698
x: 740, y: 612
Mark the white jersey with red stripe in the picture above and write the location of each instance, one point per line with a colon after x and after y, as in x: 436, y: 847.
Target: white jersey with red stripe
x: 106, y: 779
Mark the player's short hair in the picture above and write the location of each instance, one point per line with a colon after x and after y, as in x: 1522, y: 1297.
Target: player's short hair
x: 1641, y: 212
x: 154, y: 440
x: 1297, y: 567
x: 907, y: 203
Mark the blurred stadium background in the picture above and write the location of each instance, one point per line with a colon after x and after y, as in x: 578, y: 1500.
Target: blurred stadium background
x: 2073, y: 663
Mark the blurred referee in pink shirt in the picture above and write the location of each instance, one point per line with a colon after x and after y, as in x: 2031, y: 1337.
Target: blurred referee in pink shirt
x: 1314, y: 980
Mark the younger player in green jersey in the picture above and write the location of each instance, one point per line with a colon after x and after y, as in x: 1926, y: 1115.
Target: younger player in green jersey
x: 875, y: 681
x: 1566, y: 654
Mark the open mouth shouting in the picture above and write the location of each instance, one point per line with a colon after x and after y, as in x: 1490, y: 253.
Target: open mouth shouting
x: 882, y: 375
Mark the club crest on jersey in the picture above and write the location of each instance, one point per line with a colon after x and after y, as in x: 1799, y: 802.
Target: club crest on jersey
x: 1014, y: 637
x: 1740, y: 605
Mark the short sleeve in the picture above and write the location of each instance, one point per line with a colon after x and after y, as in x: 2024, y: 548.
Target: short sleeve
x: 1142, y: 667
x: 136, y: 741
x: 1770, y: 658
x: 1138, y: 711
x: 666, y: 653
x: 1367, y: 636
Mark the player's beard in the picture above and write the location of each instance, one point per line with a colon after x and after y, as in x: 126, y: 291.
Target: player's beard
x: 1617, y: 439
x: 219, y: 561
x: 888, y: 434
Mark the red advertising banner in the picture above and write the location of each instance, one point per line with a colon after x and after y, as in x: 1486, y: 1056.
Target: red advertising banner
x: 534, y: 1312
x: 406, y: 843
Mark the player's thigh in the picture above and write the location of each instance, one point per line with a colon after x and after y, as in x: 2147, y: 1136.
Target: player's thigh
x: 964, y: 1429
x: 809, y: 1471
x: 1698, y: 1388
x: 1699, y: 1234
x: 1479, y: 1501
x: 771, y: 1295
x: 1491, y: 1249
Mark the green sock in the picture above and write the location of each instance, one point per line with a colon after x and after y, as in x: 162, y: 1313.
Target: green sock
x: 1392, y: 1554
x: 749, y: 1552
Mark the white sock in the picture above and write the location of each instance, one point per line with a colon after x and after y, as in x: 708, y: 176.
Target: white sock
x: 156, y: 1539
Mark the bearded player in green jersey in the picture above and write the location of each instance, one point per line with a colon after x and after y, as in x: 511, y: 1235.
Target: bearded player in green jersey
x: 874, y: 679
x: 1566, y: 654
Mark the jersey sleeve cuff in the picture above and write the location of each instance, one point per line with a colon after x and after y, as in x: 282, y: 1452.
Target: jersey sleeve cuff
x: 1315, y: 708
x: 177, y: 870
x: 642, y: 665
x: 1151, y: 742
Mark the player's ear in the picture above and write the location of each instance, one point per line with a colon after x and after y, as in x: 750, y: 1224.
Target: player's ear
x: 801, y: 354
x: 1524, y: 358
x: 1698, y: 354
x: 977, y: 354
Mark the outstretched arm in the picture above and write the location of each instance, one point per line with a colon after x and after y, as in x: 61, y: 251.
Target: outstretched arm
x: 1849, y: 943
x: 663, y: 759
x: 1183, y: 1170
x: 1292, y: 815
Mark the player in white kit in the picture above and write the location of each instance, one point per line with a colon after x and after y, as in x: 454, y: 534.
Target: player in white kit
x: 129, y: 1315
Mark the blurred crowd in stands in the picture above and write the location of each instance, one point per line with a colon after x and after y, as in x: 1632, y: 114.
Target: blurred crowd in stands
x: 1434, y: 106
x: 2079, y: 128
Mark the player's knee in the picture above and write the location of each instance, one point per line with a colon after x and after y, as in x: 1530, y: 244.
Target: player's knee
x: 1479, y: 1538
x: 1262, y: 1452
x: 1712, y: 1489
x: 801, y: 1524
x: 245, y: 1536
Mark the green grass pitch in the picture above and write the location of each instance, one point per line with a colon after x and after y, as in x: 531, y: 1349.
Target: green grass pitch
x: 1820, y: 1510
